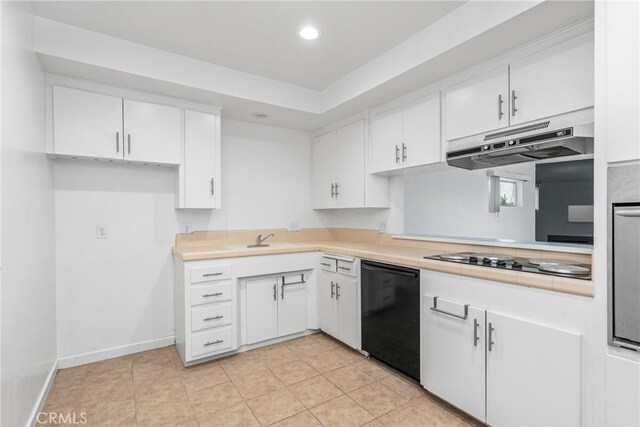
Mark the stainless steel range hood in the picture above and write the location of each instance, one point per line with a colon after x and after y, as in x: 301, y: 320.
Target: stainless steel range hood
x: 539, y: 141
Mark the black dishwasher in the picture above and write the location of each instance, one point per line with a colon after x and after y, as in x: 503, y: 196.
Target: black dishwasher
x: 391, y: 315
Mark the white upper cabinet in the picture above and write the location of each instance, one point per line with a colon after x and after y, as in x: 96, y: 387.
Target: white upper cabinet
x: 338, y: 173
x: 386, y: 142
x: 201, y: 161
x: 555, y: 81
x: 87, y: 124
x: 421, y: 132
x: 407, y: 137
x: 349, y: 160
x: 622, y: 82
x: 323, y: 175
x: 152, y: 131
x: 478, y: 105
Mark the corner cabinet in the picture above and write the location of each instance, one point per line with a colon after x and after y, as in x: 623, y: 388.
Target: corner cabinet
x: 554, y: 81
x: 338, y: 171
x: 407, y: 137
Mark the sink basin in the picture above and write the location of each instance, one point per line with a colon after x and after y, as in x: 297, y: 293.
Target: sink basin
x: 264, y: 245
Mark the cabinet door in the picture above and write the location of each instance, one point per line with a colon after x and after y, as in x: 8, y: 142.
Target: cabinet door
x: 349, y: 161
x: 200, y: 134
x: 453, y: 354
x: 533, y: 373
x: 87, y: 124
x: 152, y: 132
x: 555, y: 81
x: 386, y: 141
x: 622, y: 82
x: 348, y: 319
x: 327, y: 308
x: 261, y: 310
x: 421, y: 132
x: 477, y: 106
x: 292, y: 309
x: 323, y: 171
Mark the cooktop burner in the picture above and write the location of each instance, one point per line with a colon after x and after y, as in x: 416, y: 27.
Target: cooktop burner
x: 554, y: 267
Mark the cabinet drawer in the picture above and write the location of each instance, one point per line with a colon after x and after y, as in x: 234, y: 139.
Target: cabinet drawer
x: 210, y: 293
x: 206, y: 274
x: 329, y: 264
x: 215, y: 341
x: 209, y: 317
x: 347, y: 268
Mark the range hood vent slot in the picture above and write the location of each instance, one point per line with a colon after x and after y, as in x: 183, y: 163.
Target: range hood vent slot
x: 516, y: 131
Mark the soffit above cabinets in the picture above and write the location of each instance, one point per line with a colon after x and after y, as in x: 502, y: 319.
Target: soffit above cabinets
x: 450, y: 40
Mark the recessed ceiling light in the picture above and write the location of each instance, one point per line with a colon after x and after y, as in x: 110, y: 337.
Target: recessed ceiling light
x: 259, y: 115
x: 309, y: 32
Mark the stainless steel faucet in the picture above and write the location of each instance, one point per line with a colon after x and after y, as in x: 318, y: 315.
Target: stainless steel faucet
x: 259, y: 241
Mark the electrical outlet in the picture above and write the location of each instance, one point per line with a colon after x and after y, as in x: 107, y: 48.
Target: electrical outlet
x: 382, y: 226
x: 101, y: 232
x: 187, y: 228
x: 294, y: 226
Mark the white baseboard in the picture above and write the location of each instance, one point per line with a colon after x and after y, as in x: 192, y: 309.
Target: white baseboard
x: 95, y: 356
x: 44, y: 393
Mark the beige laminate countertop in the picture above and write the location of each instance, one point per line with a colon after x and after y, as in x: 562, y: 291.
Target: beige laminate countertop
x: 394, y: 254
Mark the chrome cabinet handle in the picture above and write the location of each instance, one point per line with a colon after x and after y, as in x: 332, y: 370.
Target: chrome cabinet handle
x: 332, y: 291
x: 476, y: 338
x: 207, y: 344
x: 128, y: 143
x: 344, y: 268
x: 211, y: 274
x: 491, y: 343
x: 206, y: 319
x: 628, y: 213
x: 217, y: 294
x: 500, y: 102
x: 275, y: 293
x: 117, y: 142
x: 325, y: 264
x: 435, y: 308
x: 337, y: 194
x: 332, y: 190
x: 337, y: 291
x: 282, y: 289
x: 212, y: 186
x: 404, y: 152
x: 513, y: 103
x: 397, y: 154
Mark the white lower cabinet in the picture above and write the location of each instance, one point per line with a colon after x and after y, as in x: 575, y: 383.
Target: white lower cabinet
x: 454, y: 353
x: 338, y: 303
x: 530, y: 371
x: 533, y: 373
x: 275, y: 307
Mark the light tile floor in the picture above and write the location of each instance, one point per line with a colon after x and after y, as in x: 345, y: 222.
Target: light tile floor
x: 309, y: 381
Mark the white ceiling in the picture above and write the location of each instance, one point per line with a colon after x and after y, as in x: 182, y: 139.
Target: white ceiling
x: 259, y: 37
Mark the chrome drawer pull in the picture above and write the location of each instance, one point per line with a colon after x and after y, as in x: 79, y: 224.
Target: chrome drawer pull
x: 211, y: 274
x: 325, y: 264
x: 207, y: 344
x: 206, y: 319
x: 344, y: 268
x: 476, y: 338
x: 435, y: 308
x: 217, y: 294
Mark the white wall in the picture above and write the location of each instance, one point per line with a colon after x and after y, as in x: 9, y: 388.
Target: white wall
x: 118, y: 291
x: 455, y: 202
x: 28, y: 267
